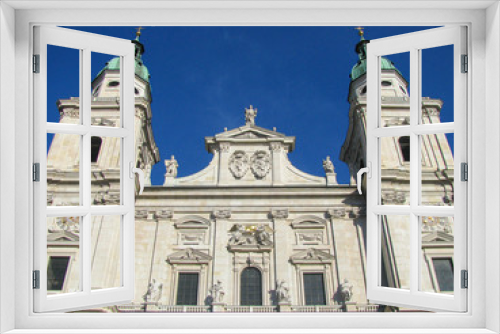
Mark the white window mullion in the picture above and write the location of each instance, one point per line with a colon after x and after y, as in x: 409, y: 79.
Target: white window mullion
x: 415, y: 167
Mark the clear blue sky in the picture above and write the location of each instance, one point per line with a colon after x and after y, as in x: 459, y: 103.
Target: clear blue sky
x: 203, y: 77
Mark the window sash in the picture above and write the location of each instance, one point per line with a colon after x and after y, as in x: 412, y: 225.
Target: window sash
x: 413, y: 43
x: 85, y: 43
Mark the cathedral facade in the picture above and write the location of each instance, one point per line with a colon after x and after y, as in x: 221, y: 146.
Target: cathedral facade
x: 250, y: 232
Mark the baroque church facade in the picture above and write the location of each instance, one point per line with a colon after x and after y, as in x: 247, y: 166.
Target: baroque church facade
x: 250, y: 232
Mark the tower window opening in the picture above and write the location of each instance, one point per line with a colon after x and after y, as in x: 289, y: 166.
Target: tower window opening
x: 113, y: 84
x: 386, y: 83
x: 363, y: 91
x: 404, y: 144
x: 95, y: 148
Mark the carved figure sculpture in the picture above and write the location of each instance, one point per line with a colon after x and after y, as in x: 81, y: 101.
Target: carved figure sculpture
x: 328, y: 165
x: 346, y: 290
x: 237, y: 237
x: 154, y: 291
x: 171, y: 166
x: 250, y: 115
x: 217, y: 292
x: 262, y: 236
x: 282, y: 292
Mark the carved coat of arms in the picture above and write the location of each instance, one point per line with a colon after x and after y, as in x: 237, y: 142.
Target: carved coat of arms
x: 238, y: 164
x: 261, y: 164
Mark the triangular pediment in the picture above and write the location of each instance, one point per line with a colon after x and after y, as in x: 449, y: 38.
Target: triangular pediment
x: 311, y: 255
x: 437, y: 236
x: 250, y: 132
x: 189, y: 255
x: 62, y: 236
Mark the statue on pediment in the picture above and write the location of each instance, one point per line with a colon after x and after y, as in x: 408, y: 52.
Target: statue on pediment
x: 250, y: 114
x: 171, y: 166
x: 328, y: 165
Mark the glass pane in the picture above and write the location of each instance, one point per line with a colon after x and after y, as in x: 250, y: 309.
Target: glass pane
x: 105, y: 156
x: 106, y: 90
x: 314, y: 289
x: 437, y: 169
x: 395, y: 251
x: 63, y: 255
x: 251, y: 287
x: 63, y: 85
x: 395, y: 89
x: 187, y: 289
x: 437, y: 85
x: 395, y: 170
x: 63, y: 169
x: 106, y: 251
x: 437, y: 254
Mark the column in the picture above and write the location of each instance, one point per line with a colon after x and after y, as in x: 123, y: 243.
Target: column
x: 281, y: 256
x: 221, y: 262
x: 223, y: 176
x: 276, y: 149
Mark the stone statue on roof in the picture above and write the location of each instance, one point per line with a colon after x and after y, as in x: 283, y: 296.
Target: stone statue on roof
x: 250, y: 114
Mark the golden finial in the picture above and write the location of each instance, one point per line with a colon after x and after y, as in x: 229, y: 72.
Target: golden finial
x: 361, y: 31
x: 138, y: 32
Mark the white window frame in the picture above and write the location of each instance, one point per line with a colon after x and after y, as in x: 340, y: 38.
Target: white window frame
x: 414, y: 44
x: 15, y: 42
x: 84, y: 44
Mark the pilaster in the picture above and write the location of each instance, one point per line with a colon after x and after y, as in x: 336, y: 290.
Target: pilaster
x: 282, y: 246
x: 276, y: 149
x: 221, y: 258
x: 224, y: 163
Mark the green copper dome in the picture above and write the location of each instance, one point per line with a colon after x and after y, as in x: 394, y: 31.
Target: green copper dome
x: 140, y: 69
x: 360, y: 68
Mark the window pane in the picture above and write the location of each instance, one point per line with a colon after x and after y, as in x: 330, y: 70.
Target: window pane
x: 395, y: 90
x: 63, y: 254
x: 63, y: 89
x: 187, y: 289
x: 106, y: 170
x: 437, y: 85
x: 63, y: 169
x: 395, y: 170
x: 444, y: 273
x: 395, y: 251
x: 251, y: 287
x: 314, y: 289
x: 106, y: 252
x: 106, y: 90
x: 437, y: 169
x: 437, y: 252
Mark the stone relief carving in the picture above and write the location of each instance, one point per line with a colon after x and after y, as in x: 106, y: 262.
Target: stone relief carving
x: 395, y: 197
x: 437, y: 224
x: 192, y: 238
x: 189, y: 256
x: 250, y: 235
x: 217, y: 292
x: 310, y: 238
x: 222, y: 214
x: 346, y: 290
x: 224, y: 147
x: 328, y: 165
x: 163, y: 214
x: 153, y: 293
x: 141, y: 214
x: 337, y: 212
x: 171, y: 167
x: 70, y: 224
x: 311, y: 255
x: 275, y: 146
x: 250, y: 114
x: 279, y: 213
x: 238, y: 164
x: 261, y: 164
x: 282, y: 292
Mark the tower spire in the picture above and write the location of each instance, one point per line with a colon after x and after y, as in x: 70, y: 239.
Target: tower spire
x: 138, y: 33
x: 361, y: 32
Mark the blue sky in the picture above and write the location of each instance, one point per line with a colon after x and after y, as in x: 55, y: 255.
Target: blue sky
x: 203, y: 77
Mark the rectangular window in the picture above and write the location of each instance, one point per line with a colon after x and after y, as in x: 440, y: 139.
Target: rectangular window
x: 444, y: 273
x: 314, y: 289
x: 56, y: 272
x: 187, y: 289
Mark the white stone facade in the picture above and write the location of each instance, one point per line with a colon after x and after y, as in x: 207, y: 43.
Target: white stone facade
x: 250, y: 207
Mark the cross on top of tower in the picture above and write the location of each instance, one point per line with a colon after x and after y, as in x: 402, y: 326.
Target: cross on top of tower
x: 361, y: 31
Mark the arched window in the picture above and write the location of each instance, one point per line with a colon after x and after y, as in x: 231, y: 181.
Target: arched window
x: 95, y: 148
x: 251, y: 287
x: 404, y: 144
